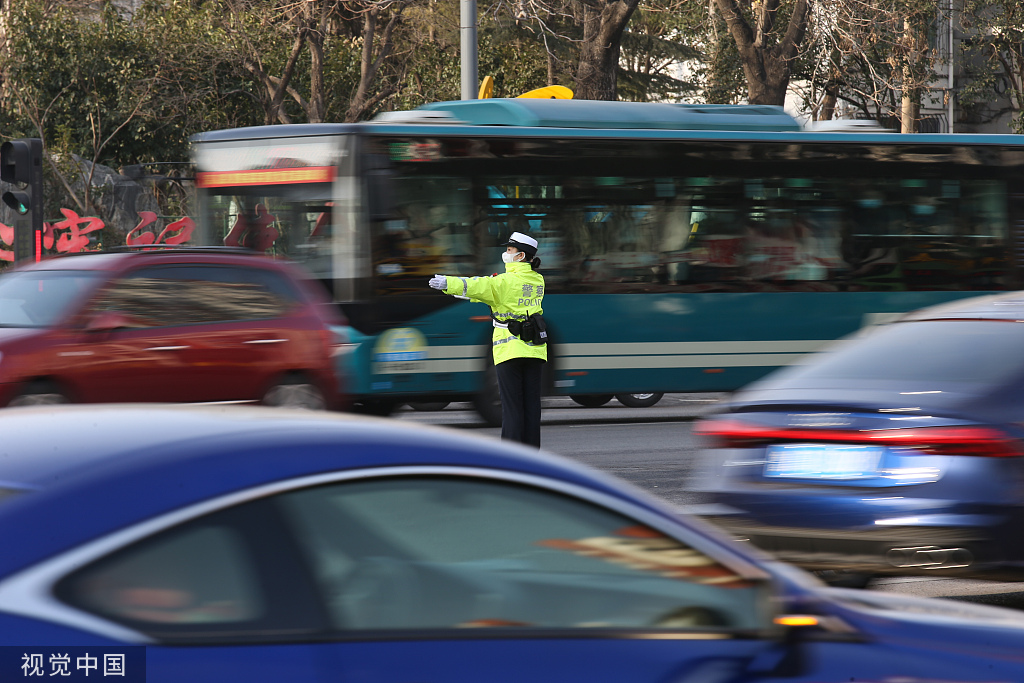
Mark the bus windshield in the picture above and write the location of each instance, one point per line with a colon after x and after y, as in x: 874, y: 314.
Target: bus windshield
x: 295, y: 221
x: 274, y: 195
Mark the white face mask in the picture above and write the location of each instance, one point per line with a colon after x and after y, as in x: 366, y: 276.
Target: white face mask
x: 509, y: 257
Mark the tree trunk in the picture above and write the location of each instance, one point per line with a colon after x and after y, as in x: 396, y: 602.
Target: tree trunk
x: 767, y: 61
x: 315, y: 20
x: 5, y: 20
x: 315, y: 109
x: 603, y: 25
x: 909, y: 104
x: 369, y: 68
x: 551, y: 63
x: 909, y: 109
x: 357, y: 104
x: 278, y: 87
x: 430, y: 27
x: 766, y: 82
x: 827, y: 110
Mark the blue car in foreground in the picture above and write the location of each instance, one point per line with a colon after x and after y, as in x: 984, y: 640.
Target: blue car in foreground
x: 249, y: 544
x: 896, y: 452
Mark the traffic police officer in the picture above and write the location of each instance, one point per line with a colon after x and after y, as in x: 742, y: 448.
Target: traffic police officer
x: 513, y: 296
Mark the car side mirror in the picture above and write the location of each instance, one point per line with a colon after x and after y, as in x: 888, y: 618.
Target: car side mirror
x: 788, y: 658
x: 107, y: 321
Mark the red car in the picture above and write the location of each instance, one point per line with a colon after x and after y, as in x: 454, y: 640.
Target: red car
x: 175, y: 325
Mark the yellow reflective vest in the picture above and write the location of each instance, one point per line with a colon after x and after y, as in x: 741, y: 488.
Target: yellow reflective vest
x: 516, y: 294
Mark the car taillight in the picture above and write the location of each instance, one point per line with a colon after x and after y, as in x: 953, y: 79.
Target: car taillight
x: 974, y: 440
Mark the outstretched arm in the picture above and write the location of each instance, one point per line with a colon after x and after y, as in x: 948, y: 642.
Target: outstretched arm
x: 485, y: 289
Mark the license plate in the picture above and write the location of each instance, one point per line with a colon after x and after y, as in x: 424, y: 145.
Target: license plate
x: 822, y: 461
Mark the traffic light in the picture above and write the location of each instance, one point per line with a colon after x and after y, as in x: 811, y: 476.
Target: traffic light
x: 18, y: 200
x: 21, y: 163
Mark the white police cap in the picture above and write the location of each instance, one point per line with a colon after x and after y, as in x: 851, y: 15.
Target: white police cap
x: 523, y: 243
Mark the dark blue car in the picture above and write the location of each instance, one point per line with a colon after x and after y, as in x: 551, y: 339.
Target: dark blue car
x: 245, y: 544
x: 896, y: 452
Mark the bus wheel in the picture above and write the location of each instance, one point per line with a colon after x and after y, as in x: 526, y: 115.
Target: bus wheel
x: 592, y: 401
x: 639, y: 400
x: 381, y: 407
x: 488, y: 401
x: 429, y: 406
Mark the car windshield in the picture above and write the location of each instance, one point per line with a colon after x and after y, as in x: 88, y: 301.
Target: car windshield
x: 38, y: 298
x: 960, y: 355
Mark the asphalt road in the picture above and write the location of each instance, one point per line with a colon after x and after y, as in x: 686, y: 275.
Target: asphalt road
x: 654, y: 448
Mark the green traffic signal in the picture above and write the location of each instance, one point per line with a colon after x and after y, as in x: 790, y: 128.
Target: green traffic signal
x: 17, y: 200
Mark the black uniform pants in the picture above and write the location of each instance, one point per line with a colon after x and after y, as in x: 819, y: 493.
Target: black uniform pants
x: 519, y: 382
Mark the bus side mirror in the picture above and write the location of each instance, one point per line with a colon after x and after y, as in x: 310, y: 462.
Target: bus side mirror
x: 380, y: 194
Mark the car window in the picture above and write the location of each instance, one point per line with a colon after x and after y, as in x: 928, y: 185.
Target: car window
x: 271, y: 281
x: 915, y: 356
x: 429, y: 553
x: 199, y: 576
x: 41, y: 298
x: 232, y: 574
x: 190, y: 294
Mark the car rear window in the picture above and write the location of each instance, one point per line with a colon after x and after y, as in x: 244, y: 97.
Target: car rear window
x: 918, y: 355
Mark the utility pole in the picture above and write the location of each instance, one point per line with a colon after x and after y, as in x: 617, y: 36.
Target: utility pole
x: 467, y: 34
x: 949, y: 91
x: 909, y: 104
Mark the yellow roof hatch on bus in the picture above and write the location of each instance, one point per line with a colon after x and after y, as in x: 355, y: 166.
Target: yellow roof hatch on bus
x: 551, y: 92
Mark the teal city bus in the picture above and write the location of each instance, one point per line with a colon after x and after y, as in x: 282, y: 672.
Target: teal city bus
x: 685, y: 248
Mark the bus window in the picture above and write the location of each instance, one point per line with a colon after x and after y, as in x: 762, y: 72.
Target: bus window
x: 431, y: 232
x: 622, y: 234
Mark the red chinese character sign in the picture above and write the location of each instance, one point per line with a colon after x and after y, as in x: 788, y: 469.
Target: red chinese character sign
x: 71, y: 235
x: 178, y: 232
x: 7, y: 237
x: 257, y: 233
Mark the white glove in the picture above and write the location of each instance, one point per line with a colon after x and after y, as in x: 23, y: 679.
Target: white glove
x: 439, y: 282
